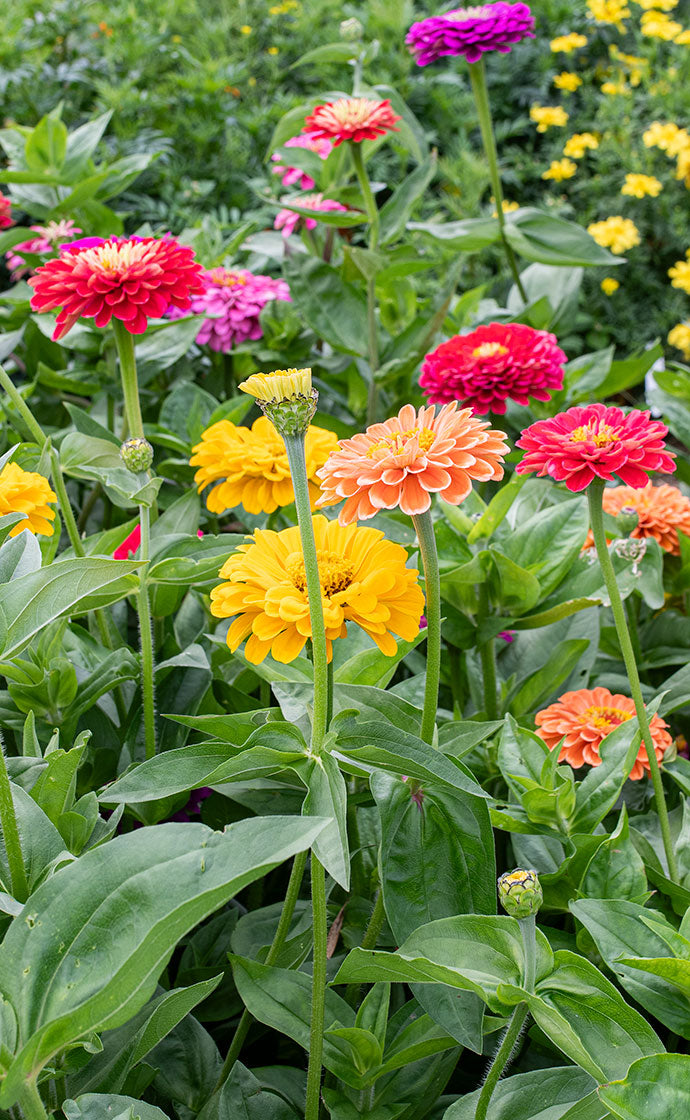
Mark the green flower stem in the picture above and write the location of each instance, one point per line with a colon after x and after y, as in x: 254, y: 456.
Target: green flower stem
x: 128, y: 377
x: 372, y: 332
x: 31, y: 1104
x: 487, y: 655
x: 371, y: 936
x: 528, y: 929
x: 10, y: 834
x: 291, y: 896
x: 424, y: 528
x: 481, y: 98
x: 595, y: 494
x: 318, y: 999
x: 146, y: 637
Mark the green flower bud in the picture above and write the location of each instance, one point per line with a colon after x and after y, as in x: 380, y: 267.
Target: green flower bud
x: 520, y: 893
x: 136, y: 454
x: 627, y: 520
x: 351, y: 30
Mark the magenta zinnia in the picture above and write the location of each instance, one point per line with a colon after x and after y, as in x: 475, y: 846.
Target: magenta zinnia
x: 470, y: 32
x: 233, y: 299
x: 5, y: 212
x: 583, y: 444
x: 351, y: 118
x: 493, y: 364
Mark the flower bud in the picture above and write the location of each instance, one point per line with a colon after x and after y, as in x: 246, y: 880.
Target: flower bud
x: 286, y: 396
x: 351, y: 30
x: 520, y: 893
x: 136, y: 454
x: 627, y: 520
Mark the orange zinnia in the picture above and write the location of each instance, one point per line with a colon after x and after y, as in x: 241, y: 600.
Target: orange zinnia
x: 661, y: 510
x: 406, y: 459
x: 587, y: 716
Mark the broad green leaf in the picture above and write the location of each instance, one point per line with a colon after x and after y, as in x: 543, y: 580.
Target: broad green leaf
x: 543, y: 683
x: 549, y: 541
x: 327, y: 797
x: 96, y: 1106
x: 600, y: 789
x: 335, y: 310
x: 615, y: 870
x: 544, y: 1094
x: 396, y: 211
x: 470, y: 234
x: 40, y: 840
x: 244, y: 1097
x: 655, y: 1088
x: 543, y: 237
x: 46, y: 145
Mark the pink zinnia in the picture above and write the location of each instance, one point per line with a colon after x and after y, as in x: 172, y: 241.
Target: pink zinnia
x: 494, y: 364
x: 470, y: 32
x: 133, y: 280
x: 294, y: 175
x: 233, y: 299
x: 48, y: 240
x: 351, y: 118
x: 582, y: 444
x: 5, y: 212
x: 288, y: 220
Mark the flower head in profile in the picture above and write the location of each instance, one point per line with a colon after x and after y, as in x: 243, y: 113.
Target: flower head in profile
x: 286, y: 396
x: 5, y: 211
x: 616, y: 233
x: 294, y: 176
x: 406, y: 459
x: 288, y: 220
x: 28, y: 493
x: 641, y: 186
x: 50, y: 237
x: 364, y: 579
x: 351, y: 118
x: 583, y: 444
x: 132, y: 279
x: 566, y: 44
x: 232, y: 300
x: 579, y: 144
x: 548, y: 116
x: 470, y: 32
x: 680, y: 274
x: 582, y: 719
x: 560, y: 169
x: 253, y: 465
x: 679, y: 336
x: 493, y: 364
x: 661, y: 512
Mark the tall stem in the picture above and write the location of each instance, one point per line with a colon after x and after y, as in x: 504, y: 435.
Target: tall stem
x: 481, y: 98
x: 31, y: 1104
x: 487, y: 656
x: 318, y: 1000
x: 371, y: 936
x: 372, y: 330
x: 596, y: 520
x: 128, y: 377
x: 10, y: 834
x: 146, y: 638
x: 424, y: 529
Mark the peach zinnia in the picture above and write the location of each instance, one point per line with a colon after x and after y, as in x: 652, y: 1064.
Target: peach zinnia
x: 406, y: 459
x: 661, y: 511
x: 351, y: 118
x: 584, y: 717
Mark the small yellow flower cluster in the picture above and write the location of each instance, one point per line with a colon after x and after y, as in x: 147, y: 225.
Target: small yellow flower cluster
x: 609, y: 285
x: 639, y: 186
x: 609, y: 11
x: 245, y: 29
x: 560, y: 169
x: 283, y: 8
x: 675, y: 142
x: 680, y: 274
x: 679, y: 337
x: 660, y: 5
x: 548, y: 116
x: 616, y: 233
x: 579, y: 143
x: 566, y: 44
x: 567, y: 81
x: 657, y: 25
x: 507, y: 206
x: 612, y: 88
x: 635, y: 65
x: 273, y: 50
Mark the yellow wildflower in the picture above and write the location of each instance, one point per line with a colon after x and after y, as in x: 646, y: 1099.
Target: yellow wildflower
x: 245, y: 29
x: 565, y: 44
x: 548, y: 116
x: 683, y: 37
x: 507, y: 206
x: 616, y: 233
x: 560, y: 169
x: 28, y: 493
x: 612, y: 88
x: 567, y: 81
x: 657, y: 25
x: 661, y: 5
x: 579, y: 143
x: 660, y: 134
x: 638, y: 186
x: 273, y: 50
x: 609, y: 285
x: 679, y: 337
x: 680, y: 274
x: 683, y: 167
x: 609, y: 11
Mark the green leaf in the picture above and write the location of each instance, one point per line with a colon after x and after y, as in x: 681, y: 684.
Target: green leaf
x: 244, y: 1097
x: 47, y: 144
x: 329, y: 52
x: 95, y: 1106
x: 54, y: 790
x: 548, y: 542
x: 88, y: 457
x: 655, y: 1088
x: 542, y: 237
x: 544, y: 1094
x: 598, y: 793
x: 40, y: 840
x: 615, y: 870
x: 335, y: 310
x: 327, y: 797
x: 396, y: 211
x: 540, y: 685
x: 470, y: 235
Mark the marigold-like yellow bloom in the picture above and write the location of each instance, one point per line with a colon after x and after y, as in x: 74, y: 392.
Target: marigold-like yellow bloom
x: 281, y: 385
x: 566, y: 44
x: 567, y: 81
x: 253, y: 463
x: 364, y: 579
x: 609, y: 285
x: 683, y: 167
x: 660, y: 5
x: 273, y: 50
x: 657, y: 25
x: 613, y: 88
x: 679, y: 337
x: 29, y: 493
x: 507, y: 206
x: 616, y: 233
x: 547, y: 116
x: 560, y: 169
x: 639, y: 186
x: 609, y: 11
x: 661, y: 134
x: 579, y: 143
x: 680, y: 274
x: 245, y: 29
x: 683, y: 37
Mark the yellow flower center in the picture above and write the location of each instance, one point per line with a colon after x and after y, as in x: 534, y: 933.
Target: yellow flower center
x: 225, y: 278
x: 111, y: 256
x: 489, y: 350
x: 335, y: 573
x: 604, y: 718
x: 593, y: 434
x: 398, y: 441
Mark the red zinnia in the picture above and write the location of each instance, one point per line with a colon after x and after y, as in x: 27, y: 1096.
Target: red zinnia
x: 582, y: 444
x: 351, y: 118
x: 134, y: 279
x: 5, y: 212
x: 130, y: 544
x: 494, y: 364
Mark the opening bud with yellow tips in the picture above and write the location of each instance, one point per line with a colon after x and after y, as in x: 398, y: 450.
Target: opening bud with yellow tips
x: 287, y: 398
x: 520, y: 893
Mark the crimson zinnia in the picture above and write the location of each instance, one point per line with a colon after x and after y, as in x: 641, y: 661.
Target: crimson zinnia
x: 351, y: 118
x: 583, y: 444
x: 133, y: 279
x: 494, y: 364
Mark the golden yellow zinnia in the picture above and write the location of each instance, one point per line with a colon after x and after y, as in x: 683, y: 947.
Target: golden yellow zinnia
x: 29, y: 493
x: 364, y: 579
x: 254, y: 465
x: 281, y: 385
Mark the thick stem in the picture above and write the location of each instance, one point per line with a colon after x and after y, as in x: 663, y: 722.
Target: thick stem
x: 372, y: 330
x: 503, y: 1056
x: 487, y: 655
x: 146, y: 638
x: 10, y: 834
x: 481, y: 98
x: 424, y: 529
x: 596, y: 520
x: 128, y: 377
x: 31, y: 1104
x: 318, y: 994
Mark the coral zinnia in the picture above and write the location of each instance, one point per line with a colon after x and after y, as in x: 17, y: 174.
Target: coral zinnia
x: 582, y: 444
x: 493, y: 364
x: 585, y: 717
x: 254, y: 464
x: 29, y: 493
x: 233, y: 299
x: 406, y: 459
x: 133, y: 279
x: 364, y: 579
x: 470, y: 32
x: 661, y: 511
x: 351, y: 118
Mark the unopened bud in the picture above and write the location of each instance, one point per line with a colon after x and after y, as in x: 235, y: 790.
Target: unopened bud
x: 351, y: 30
x: 520, y: 893
x: 286, y: 396
x: 627, y: 520
x: 136, y: 454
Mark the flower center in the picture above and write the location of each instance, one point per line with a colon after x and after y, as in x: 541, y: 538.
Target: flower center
x: 113, y: 255
x: 475, y: 12
x: 353, y: 111
x: 604, y: 718
x: 592, y: 433
x: 489, y: 350
x: 335, y: 573
x: 399, y: 441
x: 225, y: 278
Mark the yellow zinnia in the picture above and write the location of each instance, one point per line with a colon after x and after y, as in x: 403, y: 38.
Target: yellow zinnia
x: 660, y: 134
x: 29, y: 493
x: 547, y: 116
x: 364, y: 579
x: 579, y: 143
x: 679, y: 337
x: 560, y: 169
x: 565, y: 44
x: 680, y: 274
x: 567, y: 81
x: 254, y: 465
x: 617, y: 234
x: 639, y: 186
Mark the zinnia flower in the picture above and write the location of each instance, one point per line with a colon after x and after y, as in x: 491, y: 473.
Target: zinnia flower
x: 364, y: 579
x: 580, y: 143
x: 29, y: 493
x: 679, y: 336
x: 130, y: 544
x: 548, y: 116
x: 639, y: 186
x: 587, y: 716
x: 582, y: 444
x: 661, y: 511
x: 288, y: 220
x: 254, y: 465
x: 5, y: 211
x: 559, y: 170
x: 470, y: 32
x: 680, y: 274
x: 617, y: 234
x: 133, y: 280
x: 493, y: 364
x: 567, y: 81
x: 566, y: 44
x: 406, y: 459
x: 294, y: 175
x: 233, y: 300
x: 351, y: 118
x: 49, y: 237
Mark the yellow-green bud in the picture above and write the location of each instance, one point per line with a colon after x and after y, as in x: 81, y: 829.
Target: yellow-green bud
x: 520, y: 893
x: 351, y: 30
x: 136, y: 454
